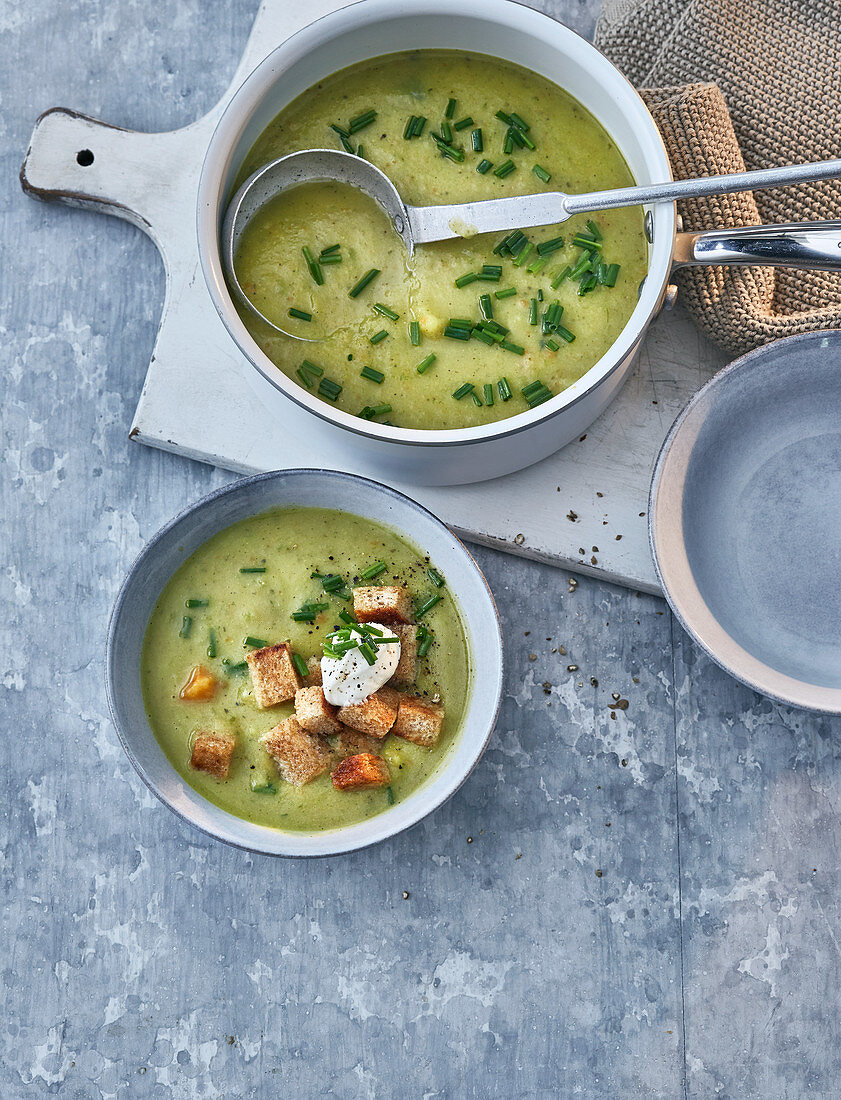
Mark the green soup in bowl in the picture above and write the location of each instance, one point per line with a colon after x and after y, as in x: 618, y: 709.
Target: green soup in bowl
x: 465, y: 332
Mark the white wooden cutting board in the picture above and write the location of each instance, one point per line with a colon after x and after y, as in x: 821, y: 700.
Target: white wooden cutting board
x: 584, y: 508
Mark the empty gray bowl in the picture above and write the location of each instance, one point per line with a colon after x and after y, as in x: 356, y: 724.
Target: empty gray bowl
x: 745, y: 520
x: 175, y: 542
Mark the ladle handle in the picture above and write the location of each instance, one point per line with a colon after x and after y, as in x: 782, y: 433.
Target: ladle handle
x: 813, y: 245
x: 704, y: 187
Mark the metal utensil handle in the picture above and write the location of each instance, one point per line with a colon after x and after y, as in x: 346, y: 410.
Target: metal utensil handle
x: 815, y: 245
x: 708, y: 185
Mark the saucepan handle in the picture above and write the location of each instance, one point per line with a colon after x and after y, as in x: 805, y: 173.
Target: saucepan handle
x: 815, y: 245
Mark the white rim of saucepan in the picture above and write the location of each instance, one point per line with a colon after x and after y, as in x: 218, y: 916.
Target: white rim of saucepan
x: 501, y: 12
x: 484, y: 700
x: 671, y: 562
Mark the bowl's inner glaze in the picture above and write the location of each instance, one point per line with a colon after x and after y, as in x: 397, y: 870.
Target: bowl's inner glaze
x: 761, y: 516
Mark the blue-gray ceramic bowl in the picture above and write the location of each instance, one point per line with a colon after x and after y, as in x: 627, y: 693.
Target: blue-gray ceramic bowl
x: 745, y: 520
x: 324, y: 489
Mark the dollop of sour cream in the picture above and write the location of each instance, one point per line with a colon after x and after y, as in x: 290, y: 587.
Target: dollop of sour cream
x: 350, y: 679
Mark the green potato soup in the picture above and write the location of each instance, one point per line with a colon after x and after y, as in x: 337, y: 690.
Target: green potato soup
x: 468, y: 331
x: 211, y: 658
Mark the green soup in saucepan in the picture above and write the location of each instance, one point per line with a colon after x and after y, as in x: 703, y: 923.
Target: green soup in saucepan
x: 472, y: 330
x: 237, y: 595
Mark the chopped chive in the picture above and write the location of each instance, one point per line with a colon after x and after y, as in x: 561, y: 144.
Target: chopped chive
x: 496, y: 327
x: 518, y: 122
x: 492, y: 270
x: 371, y: 374
x: 507, y: 146
x: 329, y: 582
x: 594, y: 231
x: 378, y: 337
x: 559, y: 278
x: 426, y: 363
x: 240, y: 666
x: 486, y: 307
x: 457, y: 333
x: 300, y: 664
x: 463, y: 123
x: 425, y: 638
x: 503, y: 117
x: 552, y: 345
x: 484, y: 166
x: 463, y: 391
x: 410, y: 128
x: 538, y: 395
x: 435, y: 577
x: 466, y: 279
x: 367, y: 278
x: 330, y: 258
x: 485, y: 337
x: 477, y: 400
x: 545, y: 248
x: 348, y: 617
x: 536, y: 266
x: 339, y: 130
x: 517, y: 350
x: 533, y: 311
x: 588, y: 282
x: 329, y: 389
x: 427, y: 605
x: 314, y: 266
x: 312, y: 368
x: 186, y: 627
x: 252, y: 569
x: 301, y: 314
x: 346, y: 145
x: 509, y: 292
x: 384, y: 311
x: 370, y: 411
x: 368, y: 652
x: 373, y: 571
x: 517, y: 243
x: 610, y: 275
x: 504, y: 389
x: 194, y: 602
x: 526, y: 140
x: 447, y: 132
x: 389, y: 794
x: 329, y: 250
x: 476, y: 140
x: 524, y: 254
x: 583, y: 240
x: 305, y: 378
x: 420, y: 122
x: 461, y: 322
x: 518, y: 138
x: 211, y: 643
x: 488, y: 393
x: 541, y: 173
x: 414, y: 333
x: 361, y: 121
x: 451, y: 152
x: 501, y: 248
x: 451, y: 108
x: 254, y: 643
x: 564, y: 333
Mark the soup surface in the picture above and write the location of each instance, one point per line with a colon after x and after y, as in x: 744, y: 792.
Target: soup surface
x: 452, y: 337
x: 290, y: 545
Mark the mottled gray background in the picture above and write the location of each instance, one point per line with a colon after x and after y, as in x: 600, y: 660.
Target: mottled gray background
x: 649, y: 906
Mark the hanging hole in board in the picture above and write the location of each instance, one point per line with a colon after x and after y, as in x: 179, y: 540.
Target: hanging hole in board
x: 85, y: 158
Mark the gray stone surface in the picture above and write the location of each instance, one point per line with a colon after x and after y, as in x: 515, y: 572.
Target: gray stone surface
x: 142, y: 959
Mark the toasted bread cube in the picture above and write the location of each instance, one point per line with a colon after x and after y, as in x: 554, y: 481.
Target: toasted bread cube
x: 200, y: 686
x: 314, y: 676
x: 314, y: 713
x: 418, y: 721
x: 385, y: 603
x: 300, y: 756
x: 407, y: 667
x: 212, y: 752
x: 273, y: 674
x: 355, y: 773
x: 352, y: 742
x: 375, y: 716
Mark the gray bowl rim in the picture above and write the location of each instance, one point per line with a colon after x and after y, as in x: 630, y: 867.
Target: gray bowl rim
x: 149, y: 547
x: 743, y: 362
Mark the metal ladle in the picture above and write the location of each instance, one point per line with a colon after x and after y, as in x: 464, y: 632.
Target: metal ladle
x: 422, y: 224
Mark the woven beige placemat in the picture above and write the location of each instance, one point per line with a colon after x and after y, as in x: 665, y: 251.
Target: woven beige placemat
x: 737, y: 84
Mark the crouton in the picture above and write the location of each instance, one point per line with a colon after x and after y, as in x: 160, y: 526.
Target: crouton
x: 382, y: 604
x: 273, y: 674
x: 407, y: 667
x: 375, y: 716
x: 352, y: 742
x: 212, y: 752
x: 314, y: 677
x: 300, y: 756
x: 418, y: 721
x: 201, y: 685
x: 355, y: 773
x: 314, y: 713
